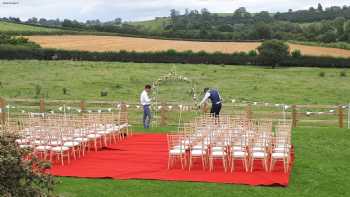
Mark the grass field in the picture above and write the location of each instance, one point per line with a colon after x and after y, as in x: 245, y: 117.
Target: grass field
x: 124, y: 81
x: 322, y: 154
x: 116, y: 43
x: 6, y: 27
x: 321, y: 169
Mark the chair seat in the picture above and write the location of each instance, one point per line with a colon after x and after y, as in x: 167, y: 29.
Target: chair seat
x: 104, y: 132
x: 43, y: 148
x: 279, y: 155
x: 259, y: 155
x: 239, y: 154
x: 22, y: 141
x: 25, y: 146
x: 55, y: 143
x: 71, y: 144
x: 93, y: 136
x: 198, y: 152
x: 218, y: 153
x: 177, y: 151
x: 39, y: 142
x: 280, y: 149
x: 59, y: 148
x: 81, y: 139
x: 258, y: 149
x: 238, y: 148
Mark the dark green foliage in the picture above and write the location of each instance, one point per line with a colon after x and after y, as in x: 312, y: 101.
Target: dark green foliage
x: 18, y: 177
x: 7, y: 39
x: 37, y: 91
x: 65, y: 91
x: 273, y: 52
x: 343, y: 73
x: 104, y: 93
x: 10, y: 52
x: 322, y: 74
x: 296, y: 53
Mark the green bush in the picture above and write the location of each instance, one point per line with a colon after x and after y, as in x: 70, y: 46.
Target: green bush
x: 343, y: 73
x: 19, y: 177
x: 10, y: 52
x: 296, y: 53
x: 104, y: 93
x: 273, y: 52
x: 322, y: 74
x: 65, y: 91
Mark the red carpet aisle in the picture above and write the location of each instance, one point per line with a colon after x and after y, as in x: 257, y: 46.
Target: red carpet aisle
x: 144, y: 156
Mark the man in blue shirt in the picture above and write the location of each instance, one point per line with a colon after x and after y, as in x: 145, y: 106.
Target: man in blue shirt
x: 215, y: 98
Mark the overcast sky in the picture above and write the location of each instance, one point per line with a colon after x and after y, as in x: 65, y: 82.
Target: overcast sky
x: 143, y: 9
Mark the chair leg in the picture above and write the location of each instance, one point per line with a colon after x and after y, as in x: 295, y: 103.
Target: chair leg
x: 169, y: 158
x: 232, y: 164
x: 246, y: 164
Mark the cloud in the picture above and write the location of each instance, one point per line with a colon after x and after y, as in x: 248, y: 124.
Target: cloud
x: 144, y: 9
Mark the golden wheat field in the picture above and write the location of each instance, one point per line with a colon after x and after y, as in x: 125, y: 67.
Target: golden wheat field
x: 117, y: 43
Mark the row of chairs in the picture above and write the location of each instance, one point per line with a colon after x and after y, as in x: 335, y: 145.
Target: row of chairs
x: 63, y: 136
x: 231, y: 139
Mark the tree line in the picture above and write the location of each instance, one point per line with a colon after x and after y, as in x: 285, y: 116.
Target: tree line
x: 272, y: 53
x: 315, y: 24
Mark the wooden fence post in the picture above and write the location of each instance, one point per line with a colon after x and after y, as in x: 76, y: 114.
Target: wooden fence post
x: 248, y: 112
x: 82, y: 106
x: 163, y: 117
x: 294, y: 116
x: 123, y: 107
x: 42, y: 105
x: 2, y: 111
x: 341, y: 117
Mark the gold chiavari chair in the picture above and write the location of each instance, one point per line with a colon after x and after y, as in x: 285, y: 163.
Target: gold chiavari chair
x: 176, y: 150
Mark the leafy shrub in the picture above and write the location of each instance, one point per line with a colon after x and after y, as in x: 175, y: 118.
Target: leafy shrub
x: 19, y: 177
x: 65, y: 91
x: 104, y: 93
x: 343, y: 73
x: 322, y: 74
x: 11, y: 52
x: 118, y: 86
x: 252, y: 53
x: 273, y: 52
x: 296, y: 53
x: 37, y: 90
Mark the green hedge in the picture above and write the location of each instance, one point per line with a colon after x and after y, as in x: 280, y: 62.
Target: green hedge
x: 10, y: 52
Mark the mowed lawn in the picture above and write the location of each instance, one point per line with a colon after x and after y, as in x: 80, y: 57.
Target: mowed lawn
x: 321, y: 169
x: 124, y: 81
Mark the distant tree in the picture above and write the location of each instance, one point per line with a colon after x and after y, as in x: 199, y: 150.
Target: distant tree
x: 263, y: 31
x: 319, y: 8
x: 328, y: 37
x: 272, y: 52
x: 263, y: 16
x: 32, y: 20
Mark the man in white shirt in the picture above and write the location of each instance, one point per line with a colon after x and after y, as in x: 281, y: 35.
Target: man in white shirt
x: 216, y: 100
x: 146, y: 102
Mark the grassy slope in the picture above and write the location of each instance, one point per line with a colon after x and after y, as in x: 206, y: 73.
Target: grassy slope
x: 152, y: 25
x: 85, y: 80
x: 6, y: 27
x: 321, y: 169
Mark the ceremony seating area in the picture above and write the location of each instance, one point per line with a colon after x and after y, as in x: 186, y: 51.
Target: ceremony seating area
x: 63, y: 137
x: 231, y: 141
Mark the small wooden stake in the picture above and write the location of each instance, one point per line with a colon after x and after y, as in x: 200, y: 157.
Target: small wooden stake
x: 341, y: 117
x: 42, y: 105
x: 294, y: 116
